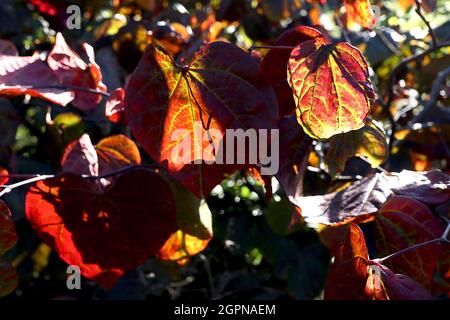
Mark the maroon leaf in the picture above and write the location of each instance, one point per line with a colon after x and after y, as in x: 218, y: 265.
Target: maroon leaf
x: 71, y: 70
x: 32, y: 76
x: 348, y: 274
x: 366, y: 196
x: 432, y: 187
x: 105, y: 232
x: 354, y: 277
x: 358, y: 200
x: 401, y: 223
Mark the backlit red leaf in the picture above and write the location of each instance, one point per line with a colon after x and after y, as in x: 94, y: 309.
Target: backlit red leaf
x: 105, y: 232
x: 402, y: 287
x: 275, y: 63
x: 9, y: 278
x: 116, y: 152
x: 348, y: 275
x: 332, y: 88
x: 168, y: 105
x: 403, y: 222
x: 181, y: 246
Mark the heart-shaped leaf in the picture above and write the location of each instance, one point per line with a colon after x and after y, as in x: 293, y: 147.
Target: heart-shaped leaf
x: 105, y: 232
x: 403, y: 222
x: 348, y: 274
x: 332, y: 88
x: 3, y: 176
x: 353, y: 276
x: 175, y: 111
x: 181, y: 246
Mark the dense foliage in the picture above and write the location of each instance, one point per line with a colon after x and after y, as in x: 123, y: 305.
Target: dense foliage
x: 91, y: 176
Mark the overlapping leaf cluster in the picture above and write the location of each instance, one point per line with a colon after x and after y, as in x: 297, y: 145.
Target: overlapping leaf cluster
x: 125, y: 195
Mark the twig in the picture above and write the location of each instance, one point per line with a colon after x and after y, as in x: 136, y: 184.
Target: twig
x: 34, y: 178
x: 209, y: 274
x: 441, y: 240
x: 387, y: 42
x: 434, y: 93
x: 380, y: 169
x: 434, y: 38
x: 343, y: 29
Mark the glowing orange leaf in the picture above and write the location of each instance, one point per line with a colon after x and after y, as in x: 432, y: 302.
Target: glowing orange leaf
x: 168, y: 105
x: 331, y: 85
x: 361, y: 12
x: 181, y: 246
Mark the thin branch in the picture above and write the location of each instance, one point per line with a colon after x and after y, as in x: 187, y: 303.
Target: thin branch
x: 434, y: 93
x: 18, y: 176
x: 270, y: 47
x: 446, y: 232
x: 387, y: 42
x: 379, y: 168
x: 10, y: 187
x: 209, y: 274
x: 69, y: 87
x: 34, y: 178
x: 441, y: 240
x: 409, y: 249
x: 343, y: 29
x: 391, y: 83
x: 434, y: 38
